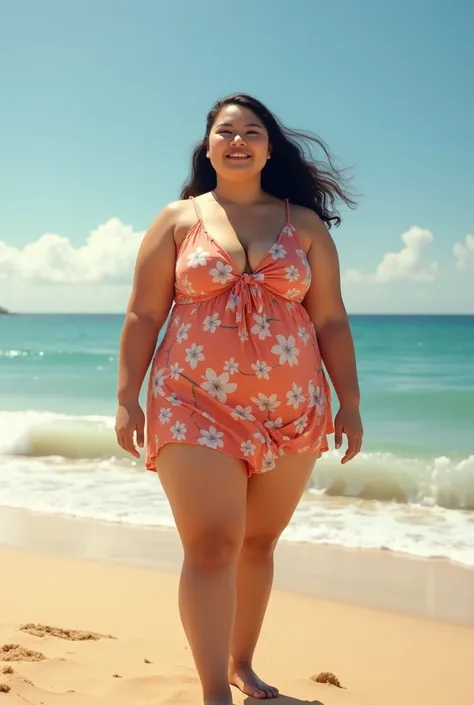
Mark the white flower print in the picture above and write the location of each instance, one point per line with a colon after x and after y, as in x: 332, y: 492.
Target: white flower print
x: 173, y: 399
x: 179, y: 431
x: 165, y: 415
x: 218, y: 386
x: 276, y: 423
x: 294, y: 396
x: 278, y: 251
x: 307, y: 279
x: 176, y: 370
x: 287, y: 350
x: 244, y: 336
x: 221, y: 273
x: 301, y: 254
x: 159, y: 378
x: 265, y: 403
x: 261, y: 327
x: 304, y: 449
x: 261, y: 369
x: 211, y: 323
x: 244, y: 413
x: 177, y: 321
x: 303, y: 334
x: 232, y: 302
x: 316, y: 398
x: 211, y: 438
x: 259, y: 436
x: 194, y: 355
x: 292, y: 293
x: 301, y: 423
x: 247, y: 448
x: 231, y: 366
x: 188, y: 287
x: 288, y: 230
x: 198, y: 258
x: 292, y: 273
x: 268, y: 461
x: 257, y: 292
x: 208, y: 417
x: 182, y: 333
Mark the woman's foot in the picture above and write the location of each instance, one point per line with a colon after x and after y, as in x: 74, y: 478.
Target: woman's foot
x: 245, y: 679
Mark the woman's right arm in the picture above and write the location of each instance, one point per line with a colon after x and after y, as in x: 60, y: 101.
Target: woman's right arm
x: 148, y: 307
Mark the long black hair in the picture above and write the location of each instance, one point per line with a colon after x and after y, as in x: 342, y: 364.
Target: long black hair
x: 293, y: 172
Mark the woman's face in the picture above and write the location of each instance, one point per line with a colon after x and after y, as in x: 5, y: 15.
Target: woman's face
x: 238, y: 143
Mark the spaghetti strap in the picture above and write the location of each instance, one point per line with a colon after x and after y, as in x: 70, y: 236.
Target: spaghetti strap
x: 196, y: 208
x: 287, y: 206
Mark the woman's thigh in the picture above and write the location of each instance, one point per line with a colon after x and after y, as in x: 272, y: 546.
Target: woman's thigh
x: 273, y: 497
x: 207, y: 493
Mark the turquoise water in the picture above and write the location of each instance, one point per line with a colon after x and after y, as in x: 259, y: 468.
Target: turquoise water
x: 411, y: 489
x: 416, y: 374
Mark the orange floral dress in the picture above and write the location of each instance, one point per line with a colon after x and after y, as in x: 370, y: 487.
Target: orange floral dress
x: 239, y: 368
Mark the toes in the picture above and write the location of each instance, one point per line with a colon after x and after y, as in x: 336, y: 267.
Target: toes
x: 269, y: 692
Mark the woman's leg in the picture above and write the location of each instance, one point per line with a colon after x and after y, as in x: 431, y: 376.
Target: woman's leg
x: 271, y: 501
x: 207, y: 493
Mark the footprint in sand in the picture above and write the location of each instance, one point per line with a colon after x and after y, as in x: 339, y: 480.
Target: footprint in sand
x: 42, y: 630
x: 327, y: 677
x: 15, y: 652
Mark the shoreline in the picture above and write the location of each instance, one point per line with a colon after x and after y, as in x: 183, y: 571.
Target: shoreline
x: 89, y: 616
x: 431, y: 589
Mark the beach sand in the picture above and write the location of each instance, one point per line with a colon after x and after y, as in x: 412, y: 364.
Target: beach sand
x: 106, y: 628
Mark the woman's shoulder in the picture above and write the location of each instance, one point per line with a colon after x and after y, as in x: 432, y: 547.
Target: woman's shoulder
x: 179, y: 217
x: 308, y: 225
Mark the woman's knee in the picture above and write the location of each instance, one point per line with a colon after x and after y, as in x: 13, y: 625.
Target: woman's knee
x: 213, y: 549
x: 261, y: 546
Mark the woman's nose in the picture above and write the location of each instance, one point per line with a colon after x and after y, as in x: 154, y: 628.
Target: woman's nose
x: 237, y: 139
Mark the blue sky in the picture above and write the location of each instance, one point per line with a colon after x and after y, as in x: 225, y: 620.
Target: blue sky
x: 102, y: 101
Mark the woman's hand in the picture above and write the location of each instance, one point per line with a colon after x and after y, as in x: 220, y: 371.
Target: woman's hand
x: 130, y: 420
x: 348, y: 421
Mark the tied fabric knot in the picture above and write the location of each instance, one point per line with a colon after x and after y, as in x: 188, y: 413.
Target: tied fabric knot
x: 249, y: 296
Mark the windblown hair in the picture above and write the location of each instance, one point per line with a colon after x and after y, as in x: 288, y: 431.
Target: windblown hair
x: 293, y: 172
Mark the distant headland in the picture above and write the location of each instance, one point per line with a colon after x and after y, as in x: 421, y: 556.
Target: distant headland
x: 4, y: 311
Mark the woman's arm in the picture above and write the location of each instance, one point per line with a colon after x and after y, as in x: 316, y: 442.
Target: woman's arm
x: 327, y: 311
x: 148, y: 307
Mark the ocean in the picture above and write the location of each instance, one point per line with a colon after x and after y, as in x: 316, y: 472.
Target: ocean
x: 411, y: 489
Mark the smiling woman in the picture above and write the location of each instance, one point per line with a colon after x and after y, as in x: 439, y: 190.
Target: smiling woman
x: 238, y: 404
x: 295, y: 172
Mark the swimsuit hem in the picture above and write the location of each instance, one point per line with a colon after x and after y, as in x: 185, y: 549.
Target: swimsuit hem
x: 152, y: 457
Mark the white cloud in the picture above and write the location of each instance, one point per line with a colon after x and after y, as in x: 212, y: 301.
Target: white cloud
x: 408, y: 264
x: 107, y: 257
x: 464, y: 253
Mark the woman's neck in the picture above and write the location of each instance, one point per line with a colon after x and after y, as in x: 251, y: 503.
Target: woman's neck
x: 241, y: 193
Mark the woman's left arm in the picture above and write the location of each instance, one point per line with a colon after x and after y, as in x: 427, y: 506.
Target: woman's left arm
x: 328, y: 314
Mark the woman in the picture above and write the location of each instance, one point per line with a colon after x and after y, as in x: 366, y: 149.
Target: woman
x: 238, y: 405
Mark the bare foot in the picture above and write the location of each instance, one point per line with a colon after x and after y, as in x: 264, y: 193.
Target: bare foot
x: 245, y: 679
